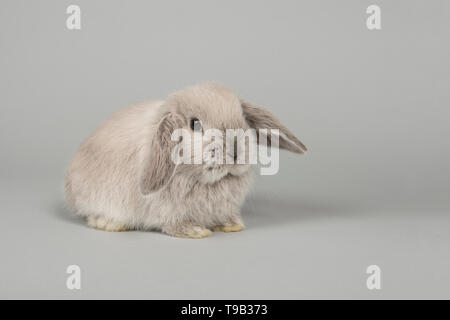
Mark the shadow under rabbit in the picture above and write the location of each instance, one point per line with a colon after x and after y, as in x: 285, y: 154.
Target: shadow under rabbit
x: 62, y: 212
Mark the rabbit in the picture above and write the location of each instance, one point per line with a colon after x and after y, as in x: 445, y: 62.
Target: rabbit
x: 123, y: 177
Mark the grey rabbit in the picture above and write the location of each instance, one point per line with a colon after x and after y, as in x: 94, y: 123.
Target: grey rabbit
x: 123, y: 177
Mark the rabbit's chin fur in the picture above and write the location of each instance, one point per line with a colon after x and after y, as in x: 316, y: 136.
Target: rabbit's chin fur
x: 212, y: 174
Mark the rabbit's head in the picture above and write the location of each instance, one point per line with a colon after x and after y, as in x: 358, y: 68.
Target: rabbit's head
x: 205, y: 117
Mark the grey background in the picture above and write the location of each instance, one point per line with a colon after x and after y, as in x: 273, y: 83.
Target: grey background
x: 372, y: 106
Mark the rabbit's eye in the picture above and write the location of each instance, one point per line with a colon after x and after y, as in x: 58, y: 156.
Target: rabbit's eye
x: 196, y: 125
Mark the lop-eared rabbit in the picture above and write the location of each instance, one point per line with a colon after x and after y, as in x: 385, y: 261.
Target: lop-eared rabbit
x: 123, y: 176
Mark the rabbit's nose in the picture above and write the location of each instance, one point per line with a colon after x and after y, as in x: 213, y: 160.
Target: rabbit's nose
x: 231, y: 152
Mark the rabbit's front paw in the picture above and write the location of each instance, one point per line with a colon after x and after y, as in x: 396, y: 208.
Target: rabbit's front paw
x: 104, y: 224
x: 193, y: 232
x: 229, y: 228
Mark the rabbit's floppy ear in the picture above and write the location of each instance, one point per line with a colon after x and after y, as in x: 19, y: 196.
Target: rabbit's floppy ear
x: 157, y: 166
x: 260, y: 118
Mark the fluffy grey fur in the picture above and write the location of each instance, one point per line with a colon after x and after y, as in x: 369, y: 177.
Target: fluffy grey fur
x: 122, y: 177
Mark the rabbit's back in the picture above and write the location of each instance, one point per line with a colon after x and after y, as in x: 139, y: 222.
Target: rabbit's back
x: 102, y: 176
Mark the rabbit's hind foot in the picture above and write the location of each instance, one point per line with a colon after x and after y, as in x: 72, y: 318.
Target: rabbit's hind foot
x: 101, y: 223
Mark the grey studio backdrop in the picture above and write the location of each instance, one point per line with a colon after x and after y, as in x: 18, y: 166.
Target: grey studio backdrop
x: 372, y: 106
